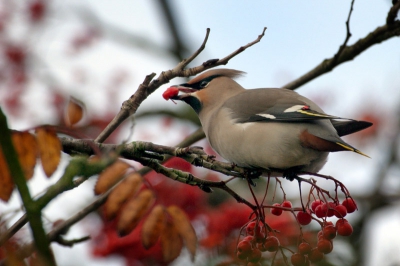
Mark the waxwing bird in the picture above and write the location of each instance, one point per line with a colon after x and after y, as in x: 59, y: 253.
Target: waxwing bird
x: 273, y: 129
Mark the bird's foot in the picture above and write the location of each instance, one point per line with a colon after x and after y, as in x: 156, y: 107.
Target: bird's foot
x: 251, y: 174
x: 291, y: 174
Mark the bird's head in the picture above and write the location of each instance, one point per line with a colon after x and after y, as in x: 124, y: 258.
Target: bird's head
x: 207, y: 89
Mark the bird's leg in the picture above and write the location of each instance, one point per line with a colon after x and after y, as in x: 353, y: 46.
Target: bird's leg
x: 291, y: 173
x: 251, y: 174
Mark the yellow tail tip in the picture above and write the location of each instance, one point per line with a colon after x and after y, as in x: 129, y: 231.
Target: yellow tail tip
x: 352, y: 149
x: 359, y: 152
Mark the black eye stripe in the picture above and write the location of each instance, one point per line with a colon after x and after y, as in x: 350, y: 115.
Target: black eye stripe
x: 200, y: 84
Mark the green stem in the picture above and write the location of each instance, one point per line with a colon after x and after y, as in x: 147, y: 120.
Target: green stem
x: 33, y: 212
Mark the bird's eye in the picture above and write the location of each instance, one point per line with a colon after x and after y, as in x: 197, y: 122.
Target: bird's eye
x: 204, y: 84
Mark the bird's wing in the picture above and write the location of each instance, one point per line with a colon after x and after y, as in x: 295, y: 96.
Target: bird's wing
x: 273, y: 105
x: 344, y: 128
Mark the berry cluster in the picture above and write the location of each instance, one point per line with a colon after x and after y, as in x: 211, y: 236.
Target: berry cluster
x: 261, y: 238
x: 256, y: 242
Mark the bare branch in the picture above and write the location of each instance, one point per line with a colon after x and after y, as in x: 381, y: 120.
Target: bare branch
x: 393, y: 12
x: 348, y: 34
x: 70, y: 243
x: 348, y: 53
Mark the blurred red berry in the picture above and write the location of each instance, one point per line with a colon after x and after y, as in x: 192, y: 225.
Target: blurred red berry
x: 244, y: 248
x: 37, y: 9
x: 254, y: 256
x: 331, y: 209
x: 350, y: 205
x: 320, y: 211
x: 15, y: 54
x: 340, y: 211
x: 325, y: 245
x: 286, y: 204
x: 250, y: 228
x: 271, y: 244
x: 315, y: 255
x: 298, y: 259
x: 241, y: 256
x: 304, y: 248
x: 343, y: 227
x: 315, y: 204
x: 276, y: 211
x: 304, y: 218
x: 329, y: 232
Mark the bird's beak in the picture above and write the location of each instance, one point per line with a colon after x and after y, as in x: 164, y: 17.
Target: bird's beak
x: 173, y: 92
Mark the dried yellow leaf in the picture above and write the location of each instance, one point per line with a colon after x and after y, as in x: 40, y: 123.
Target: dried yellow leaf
x: 171, y: 241
x: 134, y: 210
x: 153, y: 226
x: 110, y: 176
x: 50, y: 150
x: 74, y: 112
x: 127, y: 188
x: 27, y: 149
x: 6, y: 182
x: 185, y: 228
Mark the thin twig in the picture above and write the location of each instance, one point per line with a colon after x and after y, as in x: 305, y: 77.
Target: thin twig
x: 348, y: 35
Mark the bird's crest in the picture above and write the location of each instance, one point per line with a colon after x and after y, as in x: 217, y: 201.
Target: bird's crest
x: 219, y: 72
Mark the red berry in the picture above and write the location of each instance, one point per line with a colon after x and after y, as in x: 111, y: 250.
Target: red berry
x: 241, y: 256
x: 324, y: 245
x: 315, y: 204
x: 286, y: 204
x: 320, y: 234
x: 276, y: 211
x: 298, y: 259
x: 343, y: 227
x: 329, y: 232
x: 248, y: 238
x: 170, y: 92
x: 315, y: 255
x: 271, y: 243
x: 320, y: 211
x: 304, y: 218
x: 331, y: 209
x: 304, y: 248
x: 261, y: 247
x: 254, y: 256
x: 340, y: 222
x: 250, y: 228
x: 340, y: 211
x: 244, y: 247
x: 350, y: 205
x: 259, y: 235
x: 326, y: 223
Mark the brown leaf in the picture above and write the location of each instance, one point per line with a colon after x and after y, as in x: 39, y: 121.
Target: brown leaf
x: 49, y: 148
x: 134, y: 210
x: 74, y: 112
x: 153, y: 226
x: 185, y: 228
x: 27, y: 149
x: 110, y: 176
x: 171, y: 241
x: 6, y: 182
x: 127, y: 188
